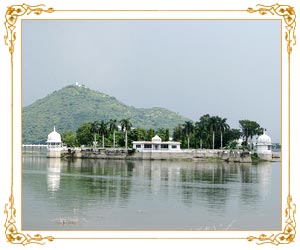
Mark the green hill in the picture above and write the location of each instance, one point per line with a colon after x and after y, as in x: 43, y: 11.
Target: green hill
x: 71, y: 106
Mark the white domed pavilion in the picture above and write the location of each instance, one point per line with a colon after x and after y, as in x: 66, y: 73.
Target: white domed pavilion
x: 264, y: 147
x: 54, y: 144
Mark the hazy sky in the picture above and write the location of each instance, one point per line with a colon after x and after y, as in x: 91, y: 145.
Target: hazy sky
x: 229, y: 68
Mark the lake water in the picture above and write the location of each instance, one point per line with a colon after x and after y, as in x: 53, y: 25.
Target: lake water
x: 148, y: 195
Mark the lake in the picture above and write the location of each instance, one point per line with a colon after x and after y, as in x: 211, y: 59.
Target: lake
x: 88, y: 194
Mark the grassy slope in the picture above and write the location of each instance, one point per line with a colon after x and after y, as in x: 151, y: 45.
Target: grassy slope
x: 69, y: 107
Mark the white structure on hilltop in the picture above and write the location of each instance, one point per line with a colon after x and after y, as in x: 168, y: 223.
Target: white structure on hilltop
x: 156, y: 144
x: 77, y: 84
x: 264, y: 147
x: 54, y: 144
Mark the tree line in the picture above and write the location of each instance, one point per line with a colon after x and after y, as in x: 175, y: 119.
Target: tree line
x: 210, y: 132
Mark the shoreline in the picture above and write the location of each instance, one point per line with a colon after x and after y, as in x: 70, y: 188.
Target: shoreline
x: 204, y: 155
x: 193, y: 155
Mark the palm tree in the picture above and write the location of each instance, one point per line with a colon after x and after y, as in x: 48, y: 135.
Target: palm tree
x: 126, y: 126
x: 203, y: 129
x: 223, y: 126
x: 102, y: 130
x: 113, y: 127
x: 188, y: 128
x: 94, y: 128
x: 213, y: 125
x: 177, y: 133
x: 201, y: 132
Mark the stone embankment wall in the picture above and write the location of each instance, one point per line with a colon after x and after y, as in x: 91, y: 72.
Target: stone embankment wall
x: 205, y: 154
x: 236, y: 156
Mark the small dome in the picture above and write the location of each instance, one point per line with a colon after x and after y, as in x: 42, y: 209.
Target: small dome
x: 54, y: 137
x: 156, y: 138
x: 264, y: 139
x: 239, y: 141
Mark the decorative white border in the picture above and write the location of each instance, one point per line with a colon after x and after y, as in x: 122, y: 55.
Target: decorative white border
x: 227, y: 236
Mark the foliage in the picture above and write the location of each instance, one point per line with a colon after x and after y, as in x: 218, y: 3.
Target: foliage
x: 188, y: 128
x: 72, y: 106
x: 164, y: 134
x: 112, y: 128
x: 126, y: 126
x: 190, y: 135
x: 208, y: 132
x: 201, y: 130
x: 233, y: 145
x: 69, y: 138
x: 84, y: 134
x: 231, y: 135
x: 222, y: 126
x: 103, y: 131
x: 93, y: 115
x: 249, y: 129
x: 94, y: 128
x: 178, y: 133
x: 213, y: 124
x: 150, y: 134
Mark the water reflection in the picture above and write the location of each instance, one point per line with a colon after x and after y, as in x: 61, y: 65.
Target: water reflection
x: 114, y: 182
x: 124, y: 195
x: 53, y: 174
x: 264, y: 173
x: 107, y: 181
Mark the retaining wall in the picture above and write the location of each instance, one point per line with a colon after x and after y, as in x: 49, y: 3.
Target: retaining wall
x: 231, y: 156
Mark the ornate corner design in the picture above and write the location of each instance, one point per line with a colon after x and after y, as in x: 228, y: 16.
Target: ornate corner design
x: 11, y: 17
x: 11, y: 231
x: 289, y: 233
x: 289, y: 17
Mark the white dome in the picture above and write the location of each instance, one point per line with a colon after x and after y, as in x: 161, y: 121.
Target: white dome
x: 156, y: 138
x: 264, y: 139
x: 239, y: 142
x: 54, y: 137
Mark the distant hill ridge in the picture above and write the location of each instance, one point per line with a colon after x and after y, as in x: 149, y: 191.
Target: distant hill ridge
x: 73, y: 105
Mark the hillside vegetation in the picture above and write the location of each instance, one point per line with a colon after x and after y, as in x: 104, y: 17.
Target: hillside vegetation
x: 73, y: 105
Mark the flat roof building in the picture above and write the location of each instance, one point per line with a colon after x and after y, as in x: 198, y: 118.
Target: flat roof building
x: 156, y: 144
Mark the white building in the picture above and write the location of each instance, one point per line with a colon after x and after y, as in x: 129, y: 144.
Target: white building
x: 264, y: 147
x: 54, y: 144
x: 156, y: 144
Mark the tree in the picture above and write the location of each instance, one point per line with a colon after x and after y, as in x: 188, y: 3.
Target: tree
x: 102, y: 130
x: 188, y: 128
x: 202, y: 130
x: 126, y: 126
x: 150, y: 134
x: 231, y: 135
x: 163, y: 133
x: 83, y: 134
x: 249, y: 129
x: 177, y: 133
x: 69, y: 138
x: 223, y: 126
x: 213, y: 126
x: 112, y: 128
x: 94, y: 128
x: 167, y: 134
